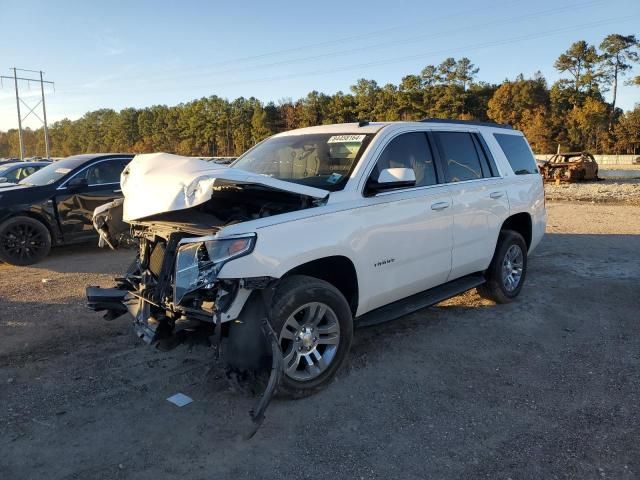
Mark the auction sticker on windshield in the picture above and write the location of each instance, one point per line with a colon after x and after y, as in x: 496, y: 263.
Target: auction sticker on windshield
x: 346, y: 138
x: 62, y: 170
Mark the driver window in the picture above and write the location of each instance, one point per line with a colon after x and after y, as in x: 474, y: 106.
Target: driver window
x: 409, y: 150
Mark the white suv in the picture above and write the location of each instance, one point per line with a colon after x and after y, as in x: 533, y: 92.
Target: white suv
x: 316, y: 231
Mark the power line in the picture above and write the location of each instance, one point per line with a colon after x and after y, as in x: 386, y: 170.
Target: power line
x: 411, y: 39
x: 349, y: 38
x: 185, y: 71
x: 393, y: 60
x: 19, y: 100
x: 379, y: 45
x: 444, y: 51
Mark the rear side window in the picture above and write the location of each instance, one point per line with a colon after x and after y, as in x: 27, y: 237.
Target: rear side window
x: 460, y: 156
x: 409, y: 150
x: 518, y: 153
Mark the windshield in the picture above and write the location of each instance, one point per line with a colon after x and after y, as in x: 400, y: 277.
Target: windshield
x: 51, y: 173
x: 318, y: 160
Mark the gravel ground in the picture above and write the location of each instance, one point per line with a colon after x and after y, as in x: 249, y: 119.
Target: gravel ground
x: 546, y: 387
x: 624, y: 191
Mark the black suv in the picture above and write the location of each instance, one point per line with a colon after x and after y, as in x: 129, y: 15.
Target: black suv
x: 55, y: 205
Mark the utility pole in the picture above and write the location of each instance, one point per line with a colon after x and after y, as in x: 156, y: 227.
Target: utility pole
x: 44, y: 115
x: 19, y: 100
x: 15, y: 81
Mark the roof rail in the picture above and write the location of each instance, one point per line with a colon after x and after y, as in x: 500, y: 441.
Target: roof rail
x: 467, y: 122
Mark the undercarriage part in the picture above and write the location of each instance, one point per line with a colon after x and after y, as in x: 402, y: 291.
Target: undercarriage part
x: 113, y: 231
x: 277, y: 364
x: 109, y: 299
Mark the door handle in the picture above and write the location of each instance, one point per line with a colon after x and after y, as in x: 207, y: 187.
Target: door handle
x: 496, y: 194
x: 439, y: 205
x: 117, y: 191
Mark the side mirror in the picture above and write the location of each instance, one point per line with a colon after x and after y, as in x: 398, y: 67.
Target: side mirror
x: 391, y: 178
x: 4, y: 179
x: 77, y: 183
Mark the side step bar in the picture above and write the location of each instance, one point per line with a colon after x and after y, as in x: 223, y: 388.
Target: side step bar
x: 419, y: 301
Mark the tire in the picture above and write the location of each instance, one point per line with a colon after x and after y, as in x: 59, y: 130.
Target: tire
x: 24, y: 241
x: 324, y: 338
x: 511, y: 251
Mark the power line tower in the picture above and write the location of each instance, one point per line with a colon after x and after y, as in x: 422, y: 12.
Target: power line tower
x: 19, y: 100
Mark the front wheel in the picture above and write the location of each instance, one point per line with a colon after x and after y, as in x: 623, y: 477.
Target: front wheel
x: 506, y: 273
x: 314, y: 325
x: 23, y: 241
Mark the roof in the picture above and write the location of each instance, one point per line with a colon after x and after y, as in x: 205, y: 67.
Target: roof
x: 572, y: 154
x: 90, y: 156
x: 374, y: 127
x: 339, y: 128
x: 75, y: 161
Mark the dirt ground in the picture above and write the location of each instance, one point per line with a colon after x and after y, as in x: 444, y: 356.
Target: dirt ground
x: 546, y: 387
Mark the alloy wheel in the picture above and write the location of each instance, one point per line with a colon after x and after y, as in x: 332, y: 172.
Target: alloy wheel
x: 512, y: 266
x: 22, y: 241
x: 309, y: 340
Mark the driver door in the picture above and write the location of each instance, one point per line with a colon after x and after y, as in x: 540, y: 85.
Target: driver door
x: 407, y: 237
x: 75, y: 205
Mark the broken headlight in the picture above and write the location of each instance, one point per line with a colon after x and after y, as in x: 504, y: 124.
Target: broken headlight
x: 199, y: 260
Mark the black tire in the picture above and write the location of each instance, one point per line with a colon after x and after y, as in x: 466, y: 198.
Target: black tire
x: 293, y: 293
x: 24, y: 241
x: 496, y: 287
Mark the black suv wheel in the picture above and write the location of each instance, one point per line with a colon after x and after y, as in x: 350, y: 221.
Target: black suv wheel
x: 23, y: 241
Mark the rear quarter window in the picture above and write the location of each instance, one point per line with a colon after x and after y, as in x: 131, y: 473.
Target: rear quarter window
x: 518, y: 153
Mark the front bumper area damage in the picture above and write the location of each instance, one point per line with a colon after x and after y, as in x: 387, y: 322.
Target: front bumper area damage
x: 172, y: 290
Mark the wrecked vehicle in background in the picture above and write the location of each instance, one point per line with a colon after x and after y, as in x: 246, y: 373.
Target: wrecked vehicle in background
x: 570, y: 167
x: 278, y: 256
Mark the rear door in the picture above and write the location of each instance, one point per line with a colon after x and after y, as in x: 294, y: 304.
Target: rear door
x: 75, y: 206
x: 405, y: 246
x: 480, y: 202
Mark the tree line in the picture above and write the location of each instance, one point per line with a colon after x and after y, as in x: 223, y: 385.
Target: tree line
x: 577, y: 112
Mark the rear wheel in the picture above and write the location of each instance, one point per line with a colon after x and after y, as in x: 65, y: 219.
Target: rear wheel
x: 24, y: 241
x: 506, y: 273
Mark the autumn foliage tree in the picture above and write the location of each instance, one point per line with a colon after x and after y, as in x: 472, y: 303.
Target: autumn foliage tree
x: 572, y: 113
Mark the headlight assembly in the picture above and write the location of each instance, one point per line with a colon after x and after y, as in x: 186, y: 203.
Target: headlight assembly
x: 200, y: 259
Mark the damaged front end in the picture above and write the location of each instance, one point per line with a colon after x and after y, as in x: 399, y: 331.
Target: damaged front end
x: 172, y: 288
x: 174, y: 210
x: 176, y: 214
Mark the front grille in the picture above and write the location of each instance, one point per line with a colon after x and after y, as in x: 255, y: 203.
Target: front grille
x: 157, y: 258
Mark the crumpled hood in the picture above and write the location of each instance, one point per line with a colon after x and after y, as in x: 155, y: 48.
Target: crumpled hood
x: 161, y: 182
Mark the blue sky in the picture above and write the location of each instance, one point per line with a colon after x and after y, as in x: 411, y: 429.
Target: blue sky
x: 117, y: 54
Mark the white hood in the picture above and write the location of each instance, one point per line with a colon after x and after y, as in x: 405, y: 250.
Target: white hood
x: 160, y: 182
